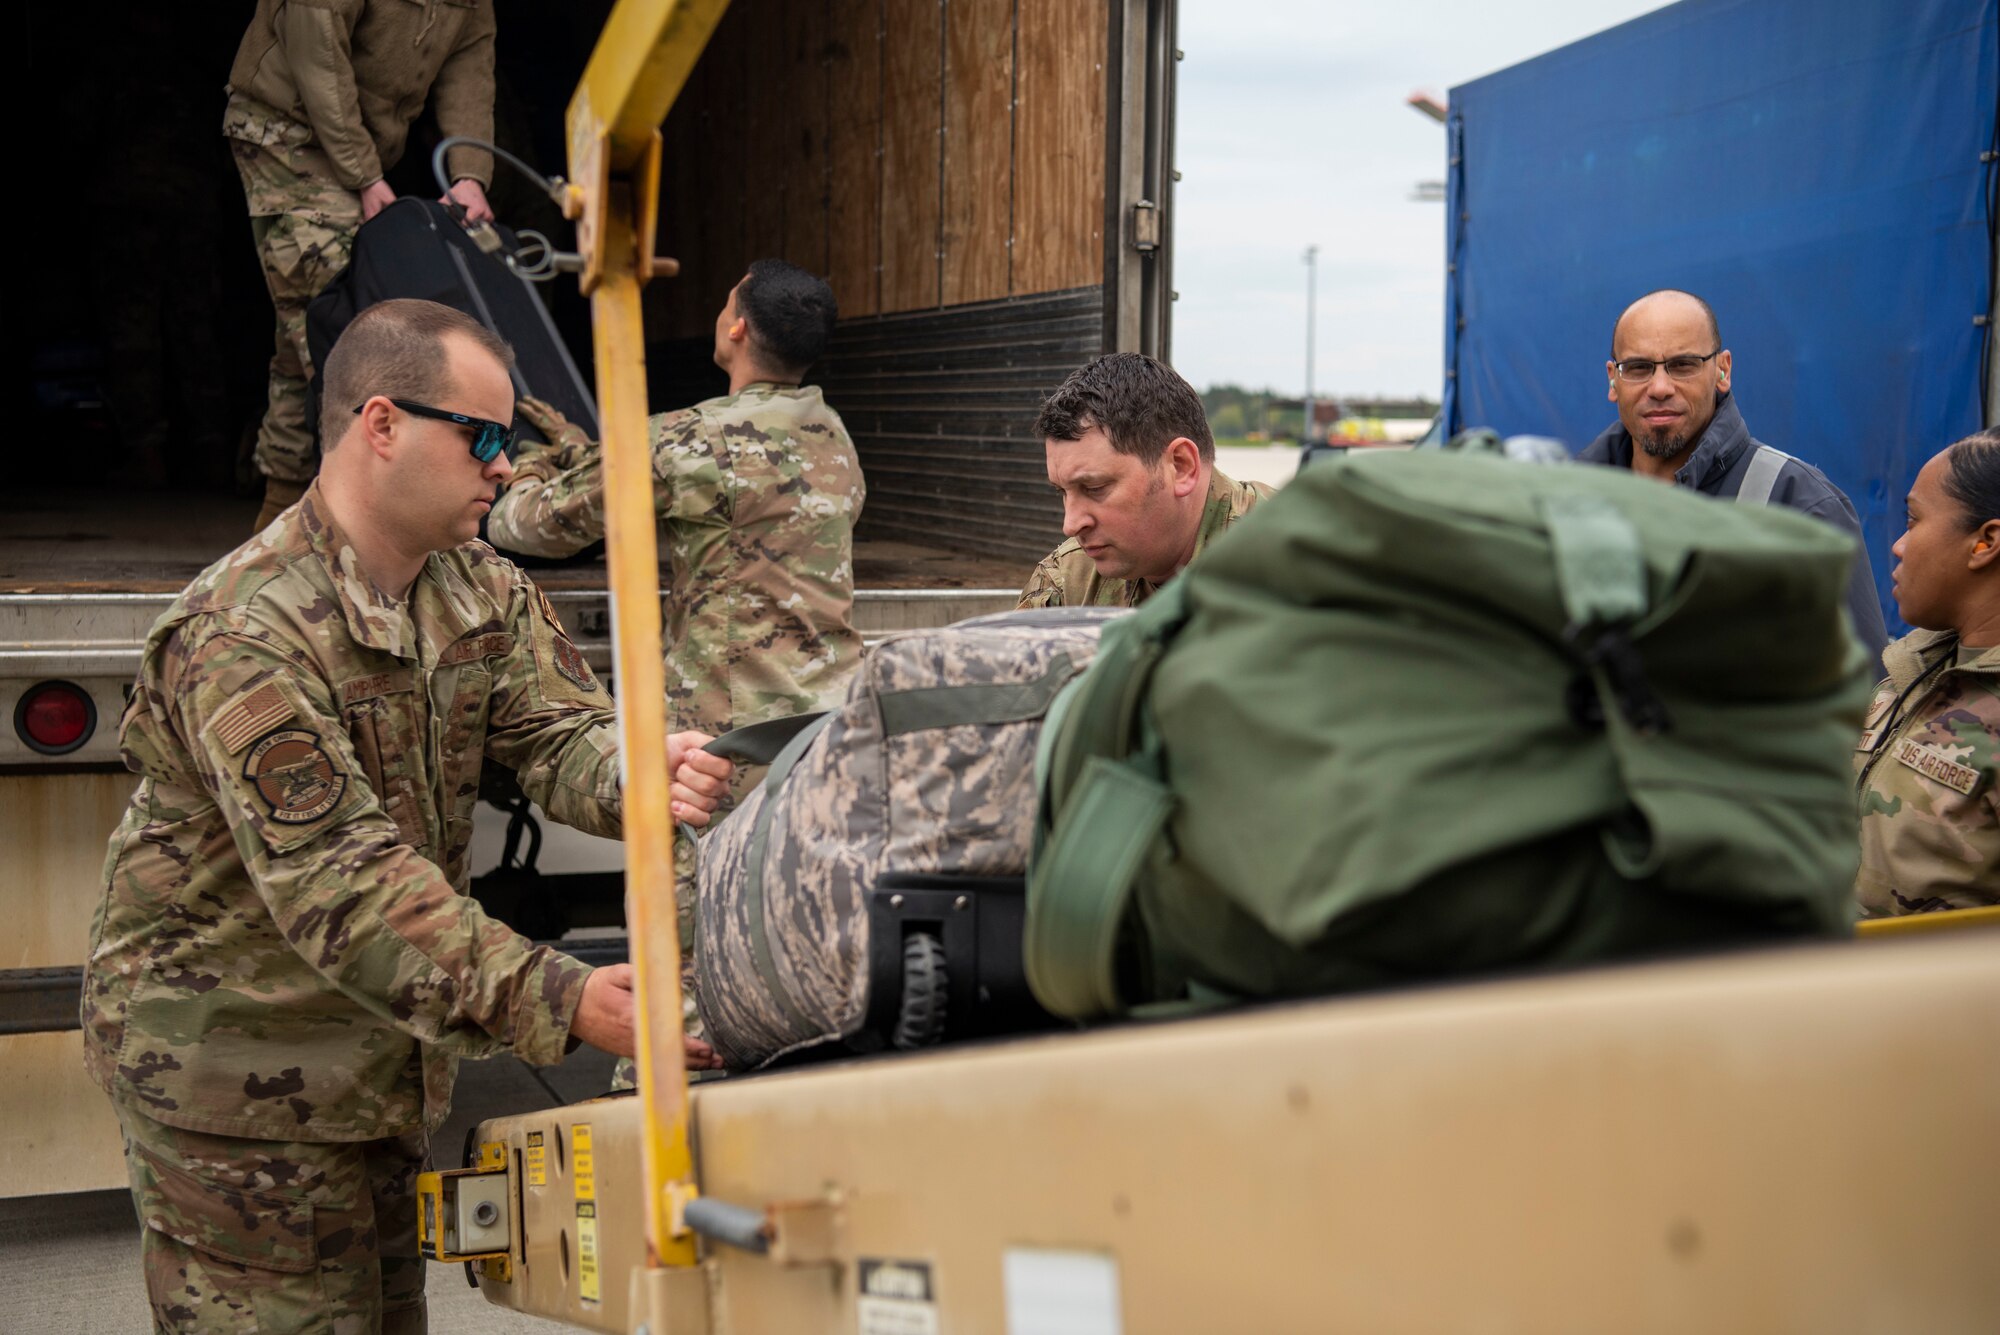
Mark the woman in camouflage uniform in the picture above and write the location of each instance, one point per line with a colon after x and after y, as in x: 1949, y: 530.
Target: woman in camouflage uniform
x: 1928, y: 766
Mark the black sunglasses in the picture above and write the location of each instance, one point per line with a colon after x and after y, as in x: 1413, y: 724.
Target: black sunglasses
x: 489, y: 438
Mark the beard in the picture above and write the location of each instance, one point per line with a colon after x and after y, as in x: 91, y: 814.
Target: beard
x: 1665, y: 445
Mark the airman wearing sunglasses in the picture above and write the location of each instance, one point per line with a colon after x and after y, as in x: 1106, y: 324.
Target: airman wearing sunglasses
x: 286, y: 968
x: 1669, y: 374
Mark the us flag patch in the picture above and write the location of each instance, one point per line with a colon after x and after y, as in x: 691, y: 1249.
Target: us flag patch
x: 251, y: 717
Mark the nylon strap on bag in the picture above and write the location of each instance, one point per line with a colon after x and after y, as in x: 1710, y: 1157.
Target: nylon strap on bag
x: 1600, y: 566
x: 752, y: 744
x: 987, y: 705
x: 761, y: 743
x: 1082, y: 883
x: 753, y: 870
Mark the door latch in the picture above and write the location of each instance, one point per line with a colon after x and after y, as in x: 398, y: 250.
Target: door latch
x: 1145, y: 226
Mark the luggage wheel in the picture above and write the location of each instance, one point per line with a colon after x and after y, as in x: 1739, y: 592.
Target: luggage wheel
x: 944, y: 961
x: 926, y: 985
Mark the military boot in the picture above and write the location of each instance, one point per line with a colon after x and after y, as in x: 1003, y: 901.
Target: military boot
x: 279, y: 496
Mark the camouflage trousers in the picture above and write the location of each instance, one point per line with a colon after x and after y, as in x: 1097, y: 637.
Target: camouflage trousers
x: 303, y: 221
x: 262, y: 1235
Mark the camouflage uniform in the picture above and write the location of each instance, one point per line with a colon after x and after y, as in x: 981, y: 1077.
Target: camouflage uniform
x: 303, y: 221
x: 322, y: 96
x: 284, y: 970
x: 275, y: 1235
x: 1928, y: 780
x: 757, y: 493
x: 1067, y: 577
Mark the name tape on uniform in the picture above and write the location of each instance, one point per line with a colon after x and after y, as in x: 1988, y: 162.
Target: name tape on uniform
x: 1933, y: 763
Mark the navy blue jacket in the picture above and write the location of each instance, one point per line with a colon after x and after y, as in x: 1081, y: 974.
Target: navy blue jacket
x: 1716, y: 468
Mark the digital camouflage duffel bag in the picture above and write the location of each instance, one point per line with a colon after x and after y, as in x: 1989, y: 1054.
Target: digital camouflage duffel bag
x: 1435, y: 713
x: 927, y: 767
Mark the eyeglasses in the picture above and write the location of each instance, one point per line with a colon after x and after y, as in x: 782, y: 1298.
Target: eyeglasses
x: 489, y: 438
x: 1637, y: 370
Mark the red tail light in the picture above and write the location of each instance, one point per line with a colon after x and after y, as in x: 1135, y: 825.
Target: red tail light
x: 55, y: 718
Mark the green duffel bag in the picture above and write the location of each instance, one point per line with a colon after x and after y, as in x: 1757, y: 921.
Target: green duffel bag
x: 1430, y: 714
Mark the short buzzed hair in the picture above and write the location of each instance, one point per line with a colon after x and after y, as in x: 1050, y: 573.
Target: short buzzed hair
x: 395, y: 348
x: 790, y: 313
x: 1714, y: 329
x: 1141, y: 404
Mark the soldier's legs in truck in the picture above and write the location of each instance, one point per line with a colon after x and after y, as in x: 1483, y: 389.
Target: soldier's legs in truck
x: 258, y: 1235
x: 303, y: 223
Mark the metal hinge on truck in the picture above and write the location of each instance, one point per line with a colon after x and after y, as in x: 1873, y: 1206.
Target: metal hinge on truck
x: 1146, y: 226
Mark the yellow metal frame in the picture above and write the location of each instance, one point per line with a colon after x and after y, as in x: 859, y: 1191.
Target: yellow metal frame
x: 641, y: 62
x: 1950, y: 920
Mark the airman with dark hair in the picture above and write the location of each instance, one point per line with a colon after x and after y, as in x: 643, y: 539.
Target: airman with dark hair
x: 1928, y: 763
x: 758, y: 490
x: 1130, y: 450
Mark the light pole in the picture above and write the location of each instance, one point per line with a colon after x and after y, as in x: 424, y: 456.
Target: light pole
x: 1312, y: 285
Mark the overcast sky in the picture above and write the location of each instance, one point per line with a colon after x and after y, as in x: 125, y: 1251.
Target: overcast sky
x: 1293, y: 130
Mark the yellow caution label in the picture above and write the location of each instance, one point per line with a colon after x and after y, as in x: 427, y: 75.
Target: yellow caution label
x: 582, y: 1165
x: 583, y: 1168
x: 538, y: 1160
x: 588, y: 1285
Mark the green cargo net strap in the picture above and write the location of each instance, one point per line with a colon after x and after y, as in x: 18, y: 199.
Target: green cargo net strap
x: 1599, y: 564
x: 1081, y: 884
x: 989, y: 705
x: 753, y: 868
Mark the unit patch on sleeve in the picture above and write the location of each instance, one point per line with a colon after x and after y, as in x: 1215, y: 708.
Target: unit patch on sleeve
x: 252, y: 716
x: 564, y: 656
x: 569, y: 661
x: 294, y: 776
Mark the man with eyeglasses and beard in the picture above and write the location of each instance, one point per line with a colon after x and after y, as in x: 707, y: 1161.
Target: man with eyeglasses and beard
x: 1669, y: 375
x: 286, y: 968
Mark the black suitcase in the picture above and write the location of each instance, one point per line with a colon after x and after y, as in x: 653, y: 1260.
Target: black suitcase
x: 413, y: 248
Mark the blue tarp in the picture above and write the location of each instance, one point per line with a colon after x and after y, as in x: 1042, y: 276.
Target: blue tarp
x: 1810, y: 167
